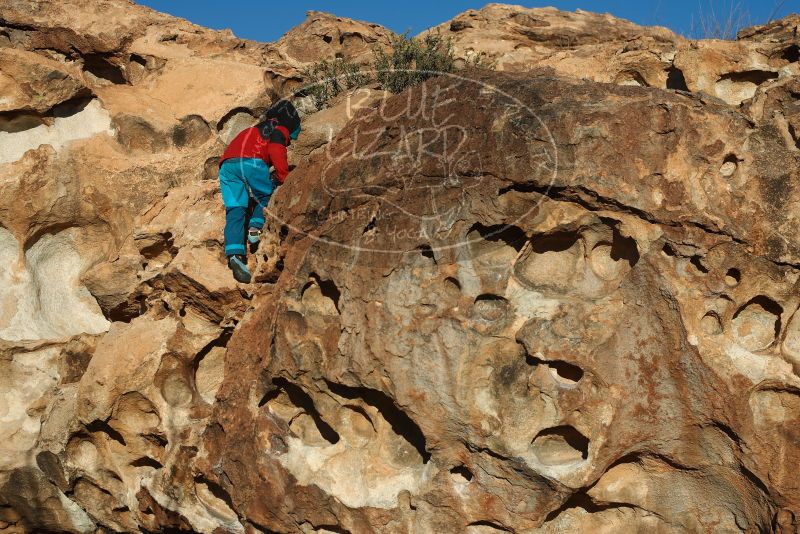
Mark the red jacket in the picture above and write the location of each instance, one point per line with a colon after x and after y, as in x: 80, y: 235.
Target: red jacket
x: 250, y: 144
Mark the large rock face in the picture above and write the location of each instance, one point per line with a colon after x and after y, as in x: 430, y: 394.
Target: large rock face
x: 607, y: 49
x: 527, y: 300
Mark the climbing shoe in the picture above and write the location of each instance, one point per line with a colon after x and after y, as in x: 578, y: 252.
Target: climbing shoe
x: 253, y: 236
x: 238, y: 265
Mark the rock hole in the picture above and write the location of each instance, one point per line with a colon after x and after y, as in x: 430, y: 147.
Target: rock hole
x: 711, y: 324
x: 136, y: 133
x: 668, y: 250
x: 136, y: 412
x: 631, y: 78
x: 139, y: 60
x: 452, y: 289
x: 555, y: 242
x: 795, y: 135
x: 177, y: 391
x: 736, y: 87
x: 459, y: 25
x: 756, y: 77
x: 370, y: 226
x: 555, y: 261
x: 52, y: 229
x: 156, y: 439
x: 327, y: 38
x: 791, y: 54
x: 76, y: 355
x: 623, y: 248
x: 755, y: 480
x: 101, y: 66
x: 501, y: 233
x: 71, y: 107
x: 427, y: 252
x: 302, y: 400
x: 584, y: 502
x: 567, y: 371
x: 161, y: 244
x: 461, y: 473
x: 697, y: 262
x: 19, y: 121
x: 321, y: 295
x: 401, y: 423
x: 610, y: 260
x: 758, y: 323
x: 791, y: 341
x: 206, y: 488
x: 560, y: 445
x: 136, y: 68
x: 234, y: 122
x: 729, y: 166
x: 127, y: 311
x: 209, y: 367
x: 453, y: 282
x: 727, y: 430
x: 50, y: 464
x: 192, y: 131
x: 733, y: 277
x: 562, y: 371
x: 676, y: 79
x: 490, y: 307
x: 211, y: 168
x: 324, y: 529
x: 269, y: 396
x: 146, y: 461
x: 485, y: 527
x: 221, y: 341
x: 240, y: 112
x: 105, y: 428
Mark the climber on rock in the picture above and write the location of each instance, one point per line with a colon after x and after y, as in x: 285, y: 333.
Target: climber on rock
x: 245, y: 168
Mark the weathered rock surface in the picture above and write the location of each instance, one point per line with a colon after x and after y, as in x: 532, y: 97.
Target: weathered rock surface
x: 606, y: 49
x: 557, y: 297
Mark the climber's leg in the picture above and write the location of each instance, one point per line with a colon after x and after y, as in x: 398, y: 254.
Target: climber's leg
x: 235, y: 198
x: 261, y: 185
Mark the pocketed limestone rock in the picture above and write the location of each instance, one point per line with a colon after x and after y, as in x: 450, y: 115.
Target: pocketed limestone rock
x: 499, y: 301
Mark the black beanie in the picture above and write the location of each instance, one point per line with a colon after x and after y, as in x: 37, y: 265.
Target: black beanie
x: 285, y: 113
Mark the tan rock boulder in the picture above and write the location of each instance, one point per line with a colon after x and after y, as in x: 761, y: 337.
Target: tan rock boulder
x: 606, y: 49
x: 34, y: 84
x: 324, y: 36
x: 319, y: 128
x: 731, y: 71
x: 525, y: 349
x: 518, y: 300
x: 580, y: 44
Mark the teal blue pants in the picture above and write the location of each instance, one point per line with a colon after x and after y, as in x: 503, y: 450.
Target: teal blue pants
x: 237, y: 178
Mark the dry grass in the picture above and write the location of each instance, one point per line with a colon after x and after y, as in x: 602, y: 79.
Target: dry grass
x: 722, y: 19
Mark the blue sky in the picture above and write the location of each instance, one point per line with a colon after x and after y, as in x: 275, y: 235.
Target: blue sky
x: 267, y: 20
